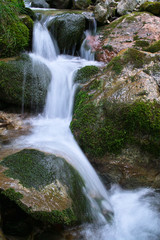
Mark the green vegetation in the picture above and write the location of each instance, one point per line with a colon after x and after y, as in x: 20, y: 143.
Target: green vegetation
x: 141, y: 43
x: 108, y: 127
x: 84, y: 74
x: 14, y: 35
x: 35, y: 169
x: 108, y: 47
x: 154, y: 47
x: 152, y: 7
x: 131, y: 56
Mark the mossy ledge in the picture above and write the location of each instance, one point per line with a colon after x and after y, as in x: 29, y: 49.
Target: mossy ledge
x: 152, y: 7
x: 109, y: 126
x: 36, y: 170
x: 84, y: 74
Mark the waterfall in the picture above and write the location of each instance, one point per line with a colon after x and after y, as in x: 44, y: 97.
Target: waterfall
x: 135, y: 213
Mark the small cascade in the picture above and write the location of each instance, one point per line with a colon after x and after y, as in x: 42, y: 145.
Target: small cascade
x: 85, y: 50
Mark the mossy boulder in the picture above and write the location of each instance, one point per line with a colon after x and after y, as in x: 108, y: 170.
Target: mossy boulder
x: 45, y: 186
x: 39, y: 4
x: 84, y: 74
x: 68, y: 30
x: 120, y: 105
x: 23, y: 82
x: 14, y: 34
x: 152, y: 7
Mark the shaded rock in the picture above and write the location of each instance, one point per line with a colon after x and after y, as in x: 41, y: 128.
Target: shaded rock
x: 39, y: 4
x: 22, y: 83
x: 69, y: 27
x: 137, y: 30
x: 131, y: 168
x: 102, y: 13
x: 61, y: 4
x: 44, y: 186
x: 81, y: 4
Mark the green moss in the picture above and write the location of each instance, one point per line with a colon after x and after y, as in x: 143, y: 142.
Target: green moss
x: 108, y: 47
x: 152, y: 7
x: 14, y: 35
x: 108, y: 127
x: 154, y: 47
x: 12, y: 195
x: 85, y: 73
x: 141, y: 43
x: 116, y: 65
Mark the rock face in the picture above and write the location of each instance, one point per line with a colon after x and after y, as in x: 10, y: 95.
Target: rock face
x: 69, y: 27
x: 61, y: 4
x: 22, y: 83
x: 39, y: 4
x: 137, y: 30
x: 118, y: 110
x: 44, y: 186
x: 126, y: 6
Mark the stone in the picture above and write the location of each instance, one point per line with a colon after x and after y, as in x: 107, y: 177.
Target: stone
x: 39, y: 4
x: 81, y: 4
x: 44, y: 186
x: 68, y: 26
x: 102, y: 13
x: 18, y: 80
x: 126, y: 6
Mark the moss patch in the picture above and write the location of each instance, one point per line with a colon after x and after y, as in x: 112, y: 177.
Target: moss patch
x: 84, y: 74
x: 154, y: 47
x: 131, y: 56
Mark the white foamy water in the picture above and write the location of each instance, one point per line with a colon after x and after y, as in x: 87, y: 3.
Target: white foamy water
x: 136, y: 216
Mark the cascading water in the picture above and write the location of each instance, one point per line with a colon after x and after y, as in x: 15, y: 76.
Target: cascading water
x: 136, y: 215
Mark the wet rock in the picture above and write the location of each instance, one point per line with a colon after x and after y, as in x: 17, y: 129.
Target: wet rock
x: 39, y: 4
x: 61, y: 4
x: 84, y: 74
x: 22, y: 83
x: 138, y: 30
x: 44, y: 186
x: 69, y: 27
x: 126, y: 6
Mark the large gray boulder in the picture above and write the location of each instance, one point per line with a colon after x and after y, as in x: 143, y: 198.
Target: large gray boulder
x: 68, y: 30
x: 44, y: 186
x: 23, y: 83
x: 102, y: 12
x: 39, y: 4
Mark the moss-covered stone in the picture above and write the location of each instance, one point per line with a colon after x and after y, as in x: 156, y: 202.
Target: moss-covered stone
x: 24, y: 83
x: 68, y: 27
x: 14, y: 35
x: 49, y: 188
x: 107, y: 127
x: 152, y: 7
x: 154, y: 47
x: 84, y: 74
